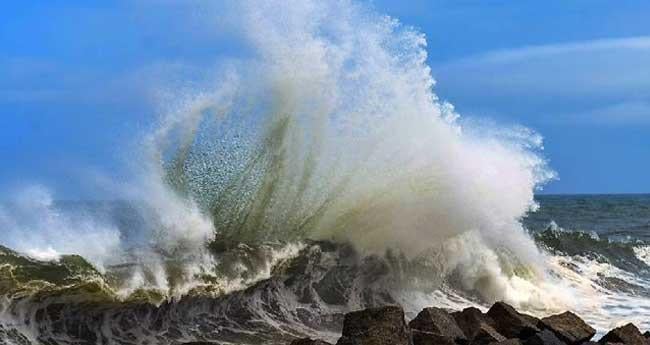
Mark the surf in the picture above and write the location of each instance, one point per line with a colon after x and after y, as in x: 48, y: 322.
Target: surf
x: 323, y: 145
x: 328, y: 128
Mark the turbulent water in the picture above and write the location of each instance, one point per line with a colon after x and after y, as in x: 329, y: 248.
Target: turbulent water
x: 268, y: 293
x: 314, y: 174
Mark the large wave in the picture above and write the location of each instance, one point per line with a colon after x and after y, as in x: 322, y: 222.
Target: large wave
x: 327, y: 127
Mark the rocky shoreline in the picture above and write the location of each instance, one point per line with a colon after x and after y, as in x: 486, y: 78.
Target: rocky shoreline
x: 502, y: 325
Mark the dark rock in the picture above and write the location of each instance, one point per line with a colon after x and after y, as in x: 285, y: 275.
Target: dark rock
x: 375, y: 326
x: 438, y: 321
x: 507, y: 342
x: 469, y: 319
x: 486, y: 334
x: 533, y: 320
x: 511, y: 323
x: 646, y: 334
x: 309, y: 341
x: 428, y: 338
x: 545, y: 337
x: 628, y: 335
x: 569, y: 328
x: 336, y: 285
x: 477, y: 326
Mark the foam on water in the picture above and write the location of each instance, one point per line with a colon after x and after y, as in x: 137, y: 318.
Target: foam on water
x: 604, y: 304
x: 643, y: 253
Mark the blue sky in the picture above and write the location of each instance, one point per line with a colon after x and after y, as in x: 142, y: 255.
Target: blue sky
x: 75, y: 77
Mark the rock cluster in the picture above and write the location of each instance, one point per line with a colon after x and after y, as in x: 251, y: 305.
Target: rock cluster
x: 501, y: 325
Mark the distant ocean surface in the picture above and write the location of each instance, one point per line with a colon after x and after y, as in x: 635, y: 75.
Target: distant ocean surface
x: 620, y: 217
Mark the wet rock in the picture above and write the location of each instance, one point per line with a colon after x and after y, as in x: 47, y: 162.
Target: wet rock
x: 309, y: 341
x: 487, y: 334
x: 428, y: 338
x: 439, y: 322
x: 511, y: 323
x: 628, y: 335
x: 533, y: 320
x: 507, y: 342
x: 545, y: 337
x: 569, y: 328
x: 336, y: 285
x: 375, y: 326
x: 477, y: 326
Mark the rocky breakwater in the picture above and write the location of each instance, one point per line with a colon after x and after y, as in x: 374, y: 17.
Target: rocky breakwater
x: 501, y: 325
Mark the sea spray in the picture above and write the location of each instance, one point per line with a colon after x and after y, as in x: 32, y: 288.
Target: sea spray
x: 316, y: 173
x: 327, y: 128
x: 33, y: 224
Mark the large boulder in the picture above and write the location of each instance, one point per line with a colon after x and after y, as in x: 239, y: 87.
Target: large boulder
x: 477, y: 327
x: 545, y: 337
x: 375, y: 326
x: 309, y: 341
x: 511, y: 323
x: 569, y: 328
x: 438, y: 321
x: 628, y: 335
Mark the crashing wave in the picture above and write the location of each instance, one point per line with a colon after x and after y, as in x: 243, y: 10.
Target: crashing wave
x: 326, y: 130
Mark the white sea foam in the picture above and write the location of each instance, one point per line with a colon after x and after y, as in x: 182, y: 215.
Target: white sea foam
x: 643, y: 253
x: 602, y: 306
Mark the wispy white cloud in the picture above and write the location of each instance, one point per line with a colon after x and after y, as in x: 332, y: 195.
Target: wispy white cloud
x: 549, y: 50
x: 605, y: 80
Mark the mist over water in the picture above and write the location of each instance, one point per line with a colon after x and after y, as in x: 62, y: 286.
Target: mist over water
x: 31, y: 223
x: 330, y: 129
x: 333, y: 122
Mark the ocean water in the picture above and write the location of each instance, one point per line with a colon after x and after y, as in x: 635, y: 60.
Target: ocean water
x: 604, y: 238
x: 622, y: 217
x: 614, y: 228
x: 596, y: 249
x: 315, y: 174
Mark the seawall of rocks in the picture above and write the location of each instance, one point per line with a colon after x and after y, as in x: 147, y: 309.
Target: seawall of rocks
x: 501, y: 325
